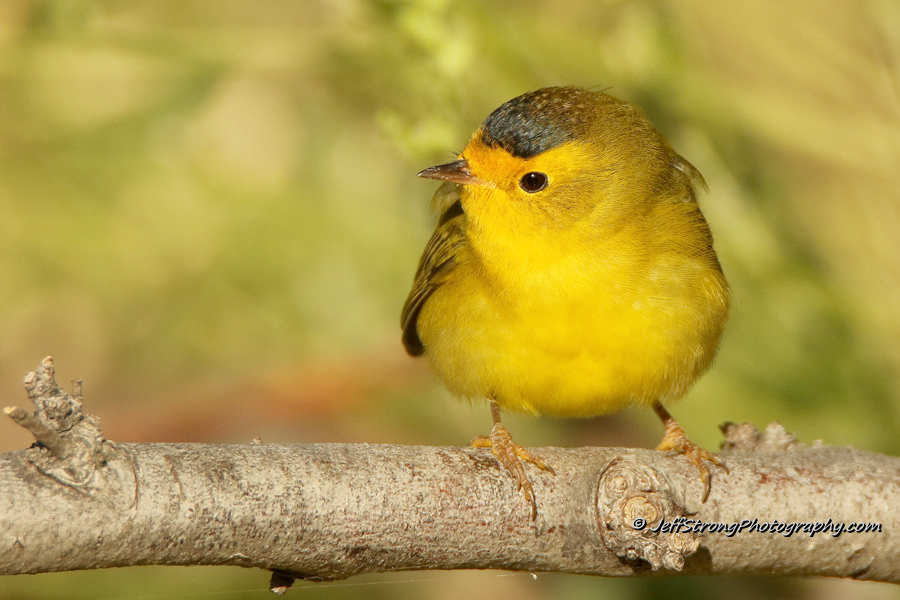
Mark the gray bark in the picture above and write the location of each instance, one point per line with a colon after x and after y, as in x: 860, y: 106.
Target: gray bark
x: 329, y: 511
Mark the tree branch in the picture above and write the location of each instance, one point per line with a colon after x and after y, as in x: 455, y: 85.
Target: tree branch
x: 327, y: 511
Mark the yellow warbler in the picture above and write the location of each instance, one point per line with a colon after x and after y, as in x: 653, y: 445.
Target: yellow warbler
x: 571, y: 272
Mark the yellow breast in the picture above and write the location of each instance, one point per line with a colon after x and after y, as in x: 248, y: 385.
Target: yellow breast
x: 568, y: 323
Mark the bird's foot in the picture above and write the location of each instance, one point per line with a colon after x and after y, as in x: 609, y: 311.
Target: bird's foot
x: 510, y: 455
x: 676, y: 439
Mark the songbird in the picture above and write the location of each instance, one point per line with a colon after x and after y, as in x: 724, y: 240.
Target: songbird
x: 571, y: 273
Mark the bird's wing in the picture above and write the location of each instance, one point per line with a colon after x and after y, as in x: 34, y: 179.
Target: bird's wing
x: 694, y: 176
x: 437, y: 262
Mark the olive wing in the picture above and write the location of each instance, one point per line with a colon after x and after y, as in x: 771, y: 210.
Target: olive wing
x: 436, y: 264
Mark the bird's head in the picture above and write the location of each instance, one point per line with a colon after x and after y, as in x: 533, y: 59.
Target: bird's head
x: 556, y: 156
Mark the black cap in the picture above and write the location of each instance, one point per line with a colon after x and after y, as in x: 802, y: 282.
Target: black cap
x: 537, y: 121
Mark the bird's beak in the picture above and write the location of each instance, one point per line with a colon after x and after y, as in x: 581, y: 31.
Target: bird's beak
x: 458, y: 172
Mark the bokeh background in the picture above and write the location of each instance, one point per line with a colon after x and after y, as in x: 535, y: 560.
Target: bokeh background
x: 209, y: 212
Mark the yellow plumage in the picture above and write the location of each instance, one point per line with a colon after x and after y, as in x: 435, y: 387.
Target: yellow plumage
x: 572, y: 272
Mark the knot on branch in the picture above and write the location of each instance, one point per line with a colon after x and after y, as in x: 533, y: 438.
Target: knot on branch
x: 70, y: 446
x: 747, y: 437
x: 632, y: 500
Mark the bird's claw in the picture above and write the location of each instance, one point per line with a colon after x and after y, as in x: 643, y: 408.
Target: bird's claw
x: 675, y: 439
x: 510, y: 455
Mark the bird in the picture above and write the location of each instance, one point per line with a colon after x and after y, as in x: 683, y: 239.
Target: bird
x: 571, y: 272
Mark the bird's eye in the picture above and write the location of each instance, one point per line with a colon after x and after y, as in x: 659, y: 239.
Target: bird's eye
x: 533, y: 182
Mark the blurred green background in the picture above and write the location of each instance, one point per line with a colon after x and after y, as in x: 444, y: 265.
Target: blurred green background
x: 209, y: 212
